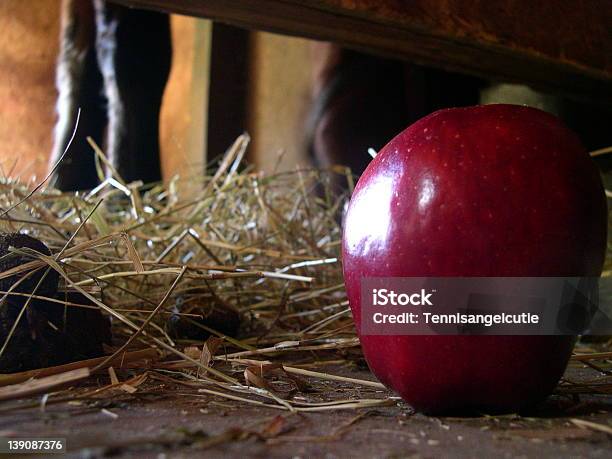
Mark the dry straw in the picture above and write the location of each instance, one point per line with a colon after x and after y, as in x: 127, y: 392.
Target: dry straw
x: 266, y: 245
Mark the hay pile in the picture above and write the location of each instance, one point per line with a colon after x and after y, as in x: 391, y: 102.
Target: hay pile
x: 266, y: 247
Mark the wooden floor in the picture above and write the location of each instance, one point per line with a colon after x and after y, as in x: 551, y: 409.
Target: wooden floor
x: 173, y: 422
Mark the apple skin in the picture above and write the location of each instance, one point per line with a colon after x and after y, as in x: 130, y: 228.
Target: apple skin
x: 494, y: 190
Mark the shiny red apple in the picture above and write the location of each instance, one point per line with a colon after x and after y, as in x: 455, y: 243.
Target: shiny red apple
x: 494, y: 190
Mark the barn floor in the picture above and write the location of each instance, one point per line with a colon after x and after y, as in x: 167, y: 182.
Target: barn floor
x: 161, y: 420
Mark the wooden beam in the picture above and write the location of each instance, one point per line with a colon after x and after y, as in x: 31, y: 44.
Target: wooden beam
x: 184, y: 113
x: 561, y: 46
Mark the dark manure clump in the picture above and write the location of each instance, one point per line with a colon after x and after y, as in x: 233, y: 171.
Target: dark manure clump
x: 36, y: 329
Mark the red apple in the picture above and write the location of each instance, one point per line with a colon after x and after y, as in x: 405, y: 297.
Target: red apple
x: 495, y: 190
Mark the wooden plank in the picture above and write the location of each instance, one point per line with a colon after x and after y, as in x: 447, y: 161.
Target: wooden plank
x: 562, y: 46
x: 120, y: 361
x: 184, y: 113
x: 42, y: 385
x: 280, y: 97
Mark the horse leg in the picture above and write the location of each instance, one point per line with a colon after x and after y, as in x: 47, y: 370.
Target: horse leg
x: 362, y: 102
x: 355, y: 106
x: 134, y: 54
x: 79, y: 85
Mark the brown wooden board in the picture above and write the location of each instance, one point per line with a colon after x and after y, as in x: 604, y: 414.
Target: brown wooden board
x: 562, y: 46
